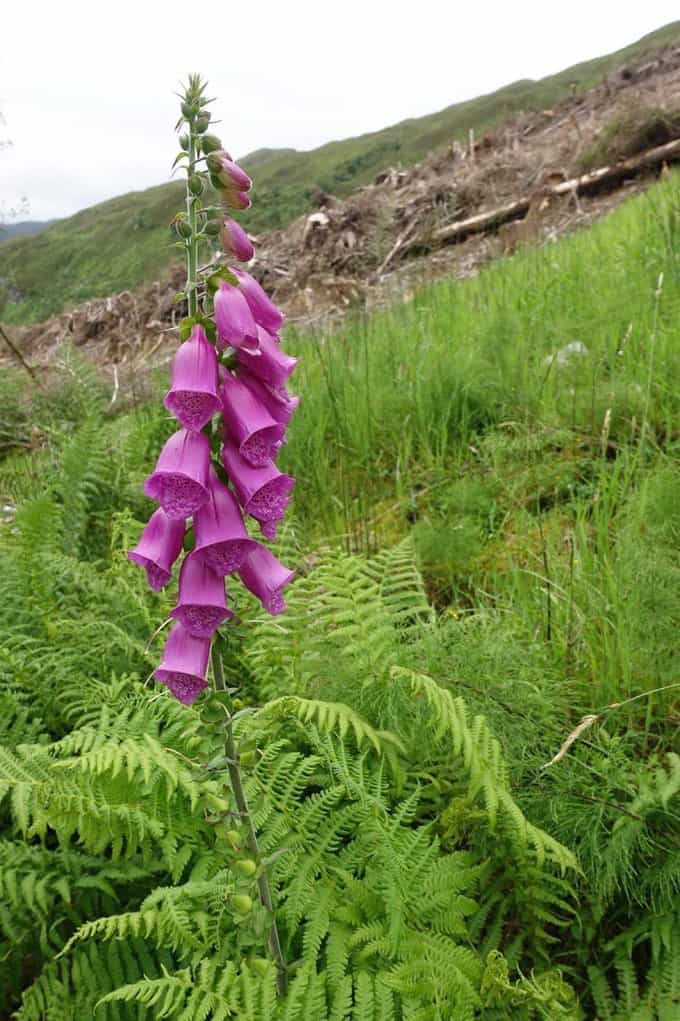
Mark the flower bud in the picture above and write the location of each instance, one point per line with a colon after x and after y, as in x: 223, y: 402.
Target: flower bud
x: 184, y: 142
x: 213, y: 228
x: 202, y: 122
x: 183, y: 228
x: 235, y: 241
x: 195, y: 184
x: 211, y: 143
x: 228, y: 173
x: 187, y: 110
x: 242, y: 903
x: 246, y: 867
x: 233, y: 838
x: 232, y: 199
x: 212, y: 714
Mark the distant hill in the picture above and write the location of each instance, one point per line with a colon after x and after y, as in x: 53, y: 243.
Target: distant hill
x: 126, y: 241
x: 23, y: 228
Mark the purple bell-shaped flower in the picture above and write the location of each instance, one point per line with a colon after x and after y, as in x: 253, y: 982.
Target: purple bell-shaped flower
x: 184, y: 663
x: 276, y: 400
x: 193, y: 398
x: 221, y: 537
x: 202, y: 602
x: 233, y: 318
x: 159, y: 546
x: 266, y: 577
x: 179, y: 482
x: 248, y: 424
x: 262, y: 492
x: 269, y: 363
x: 264, y: 310
x: 235, y: 241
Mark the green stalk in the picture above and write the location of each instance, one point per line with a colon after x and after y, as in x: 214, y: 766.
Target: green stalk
x: 192, y: 242
x: 236, y: 779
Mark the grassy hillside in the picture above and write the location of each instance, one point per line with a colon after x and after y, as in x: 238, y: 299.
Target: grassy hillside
x: 126, y: 241
x: 469, y: 506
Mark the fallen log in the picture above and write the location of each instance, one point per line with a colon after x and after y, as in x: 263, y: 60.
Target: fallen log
x: 602, y: 178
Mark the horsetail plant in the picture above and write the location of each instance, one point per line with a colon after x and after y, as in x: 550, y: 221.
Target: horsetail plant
x: 210, y: 474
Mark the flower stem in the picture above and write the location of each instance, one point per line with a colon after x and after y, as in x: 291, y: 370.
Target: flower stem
x: 192, y: 241
x: 235, y: 777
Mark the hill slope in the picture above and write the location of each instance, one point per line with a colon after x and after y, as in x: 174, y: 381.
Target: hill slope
x: 125, y: 241
x: 23, y: 228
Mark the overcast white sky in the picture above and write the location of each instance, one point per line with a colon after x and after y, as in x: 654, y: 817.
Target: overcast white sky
x: 86, y: 88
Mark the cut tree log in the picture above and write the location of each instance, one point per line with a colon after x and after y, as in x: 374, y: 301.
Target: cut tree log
x: 600, y: 179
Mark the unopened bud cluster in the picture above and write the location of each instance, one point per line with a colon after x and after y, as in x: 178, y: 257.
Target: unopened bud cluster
x: 228, y: 393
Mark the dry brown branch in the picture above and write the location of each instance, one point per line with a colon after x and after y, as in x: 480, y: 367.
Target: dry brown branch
x: 585, y: 724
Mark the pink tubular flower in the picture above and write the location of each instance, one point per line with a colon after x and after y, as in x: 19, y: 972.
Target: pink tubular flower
x: 185, y: 661
x: 234, y: 199
x: 159, y: 546
x: 266, y: 577
x: 179, y: 482
x: 229, y: 174
x: 193, y: 398
x: 262, y: 492
x: 270, y: 364
x: 233, y: 318
x: 221, y: 536
x: 248, y: 424
x: 264, y: 310
x: 202, y: 603
x: 235, y: 241
x: 276, y: 400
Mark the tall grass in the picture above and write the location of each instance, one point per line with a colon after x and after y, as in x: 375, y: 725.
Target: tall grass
x: 399, y: 397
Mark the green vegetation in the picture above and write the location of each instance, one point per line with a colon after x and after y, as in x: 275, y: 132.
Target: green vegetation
x: 126, y: 242
x: 640, y: 128
x: 486, y: 529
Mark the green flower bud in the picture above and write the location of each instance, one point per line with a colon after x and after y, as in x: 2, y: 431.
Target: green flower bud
x: 242, y: 903
x: 184, y: 142
x: 210, y: 143
x: 187, y: 110
x: 212, y: 714
x: 213, y: 227
x: 183, y: 228
x: 246, y: 867
x: 234, y: 838
x: 195, y: 184
x: 202, y: 122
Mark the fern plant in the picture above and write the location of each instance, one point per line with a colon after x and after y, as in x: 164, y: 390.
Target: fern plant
x: 383, y: 910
